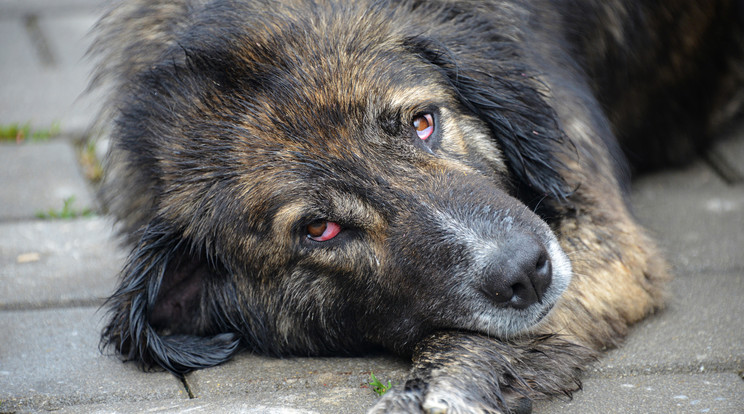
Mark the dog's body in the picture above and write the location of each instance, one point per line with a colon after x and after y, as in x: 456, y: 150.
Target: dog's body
x: 436, y: 179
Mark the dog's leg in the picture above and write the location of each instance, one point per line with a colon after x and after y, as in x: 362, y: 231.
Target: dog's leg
x: 464, y: 372
x: 619, y: 278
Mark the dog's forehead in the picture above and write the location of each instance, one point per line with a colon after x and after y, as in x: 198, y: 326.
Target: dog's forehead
x: 333, y: 81
x: 317, y: 62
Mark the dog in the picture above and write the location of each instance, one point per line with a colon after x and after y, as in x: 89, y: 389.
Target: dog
x: 444, y: 180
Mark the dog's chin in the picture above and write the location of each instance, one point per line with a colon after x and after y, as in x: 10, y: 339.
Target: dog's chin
x: 538, y: 319
x: 508, y: 323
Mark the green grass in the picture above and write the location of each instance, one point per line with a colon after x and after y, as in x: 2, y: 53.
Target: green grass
x: 378, y: 386
x: 19, y: 132
x: 67, y: 211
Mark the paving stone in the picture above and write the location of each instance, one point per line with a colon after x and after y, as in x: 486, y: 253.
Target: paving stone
x: 307, y: 383
x: 696, y: 217
x: 702, y: 393
x: 70, y: 38
x: 701, y: 330
x: 50, y: 360
x: 17, y: 8
x: 16, y: 46
x: 57, y: 262
x: 38, y: 177
x: 331, y: 401
x: 157, y: 406
x: 44, y: 72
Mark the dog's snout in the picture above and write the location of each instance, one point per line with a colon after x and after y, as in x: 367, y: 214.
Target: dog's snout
x: 518, y: 273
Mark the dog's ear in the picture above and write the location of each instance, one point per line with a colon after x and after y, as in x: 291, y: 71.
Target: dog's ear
x: 505, y: 94
x: 159, y: 315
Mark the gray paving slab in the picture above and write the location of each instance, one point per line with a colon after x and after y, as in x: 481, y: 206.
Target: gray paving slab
x: 317, y: 381
x: 10, y: 9
x: 57, y: 262
x: 701, y: 330
x: 38, y: 177
x: 69, y: 37
x: 696, y: 216
x: 13, y: 32
x: 662, y: 394
x: 338, y: 400
x: 50, y: 359
x: 332, y: 401
x: 44, y: 73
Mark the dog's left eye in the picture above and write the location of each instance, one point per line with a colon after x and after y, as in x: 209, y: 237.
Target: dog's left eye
x: 424, y: 126
x: 322, y: 230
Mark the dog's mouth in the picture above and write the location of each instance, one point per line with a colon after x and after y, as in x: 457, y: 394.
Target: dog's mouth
x: 507, y: 323
x: 541, y: 316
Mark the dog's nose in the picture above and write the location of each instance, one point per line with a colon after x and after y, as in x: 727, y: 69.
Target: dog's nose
x: 518, y: 272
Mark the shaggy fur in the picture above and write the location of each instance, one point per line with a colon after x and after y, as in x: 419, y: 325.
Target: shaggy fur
x: 499, y: 251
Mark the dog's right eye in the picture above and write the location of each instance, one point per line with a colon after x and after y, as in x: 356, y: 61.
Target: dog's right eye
x: 321, y: 231
x: 424, y: 126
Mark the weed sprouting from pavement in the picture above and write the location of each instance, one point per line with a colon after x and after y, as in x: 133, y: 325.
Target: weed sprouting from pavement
x: 67, y: 211
x: 378, y: 386
x: 20, y: 132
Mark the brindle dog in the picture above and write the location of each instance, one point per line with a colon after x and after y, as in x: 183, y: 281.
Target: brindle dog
x: 440, y: 179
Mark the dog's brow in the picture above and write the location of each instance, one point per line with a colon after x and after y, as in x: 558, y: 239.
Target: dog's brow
x: 356, y: 209
x: 418, y: 96
x: 287, y: 216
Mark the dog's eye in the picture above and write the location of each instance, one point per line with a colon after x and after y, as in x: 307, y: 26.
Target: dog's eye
x: 424, y: 126
x: 322, y: 230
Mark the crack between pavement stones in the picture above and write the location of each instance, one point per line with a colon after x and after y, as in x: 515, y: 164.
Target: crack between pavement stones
x: 39, y: 40
x: 187, y: 387
x: 723, y: 168
x: 712, y: 367
x: 79, y: 303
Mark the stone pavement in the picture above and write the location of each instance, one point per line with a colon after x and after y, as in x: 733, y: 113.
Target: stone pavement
x: 55, y: 272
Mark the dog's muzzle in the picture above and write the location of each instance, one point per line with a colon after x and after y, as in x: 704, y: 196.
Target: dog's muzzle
x: 518, y: 273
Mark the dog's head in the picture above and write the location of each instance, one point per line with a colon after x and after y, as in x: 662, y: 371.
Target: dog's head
x: 322, y: 180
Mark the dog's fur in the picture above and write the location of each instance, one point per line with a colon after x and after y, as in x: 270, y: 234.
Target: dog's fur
x: 236, y: 124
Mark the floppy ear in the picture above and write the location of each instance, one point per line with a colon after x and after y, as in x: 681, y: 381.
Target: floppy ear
x: 493, y: 84
x: 158, y: 312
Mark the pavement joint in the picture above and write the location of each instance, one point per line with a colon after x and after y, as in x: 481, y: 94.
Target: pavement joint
x: 61, y: 304
x: 187, y: 388
x: 39, y: 41
x: 723, y: 168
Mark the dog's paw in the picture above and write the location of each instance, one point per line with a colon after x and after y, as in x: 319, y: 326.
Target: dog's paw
x: 442, y: 396
x: 400, y: 399
x: 445, y: 399
x: 460, y: 372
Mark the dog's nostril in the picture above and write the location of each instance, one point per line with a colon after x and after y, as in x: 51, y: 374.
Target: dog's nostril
x: 519, y: 273
x: 543, y: 274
